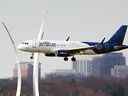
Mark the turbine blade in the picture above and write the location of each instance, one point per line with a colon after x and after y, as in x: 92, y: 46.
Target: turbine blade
x: 35, y: 75
x: 41, y: 32
x: 12, y: 39
x: 18, y: 91
x: 43, y: 24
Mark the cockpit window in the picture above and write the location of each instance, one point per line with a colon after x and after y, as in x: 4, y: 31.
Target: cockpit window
x: 26, y: 43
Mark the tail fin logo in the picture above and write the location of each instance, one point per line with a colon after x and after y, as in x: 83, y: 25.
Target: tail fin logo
x: 118, y: 37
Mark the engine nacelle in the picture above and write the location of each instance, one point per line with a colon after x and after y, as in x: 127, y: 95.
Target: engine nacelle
x: 63, y: 53
x: 50, y: 54
x: 60, y: 53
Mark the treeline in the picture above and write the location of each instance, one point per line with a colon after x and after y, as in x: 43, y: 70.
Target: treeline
x: 90, y: 86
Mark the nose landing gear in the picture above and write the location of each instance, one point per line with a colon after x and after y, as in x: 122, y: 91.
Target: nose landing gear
x: 32, y: 56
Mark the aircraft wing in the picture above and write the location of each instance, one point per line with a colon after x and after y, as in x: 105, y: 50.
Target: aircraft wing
x: 79, y: 51
x: 82, y: 50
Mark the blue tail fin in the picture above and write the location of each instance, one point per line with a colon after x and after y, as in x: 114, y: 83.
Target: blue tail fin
x: 118, y: 37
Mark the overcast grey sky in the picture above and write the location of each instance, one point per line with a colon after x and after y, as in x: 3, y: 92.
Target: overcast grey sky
x: 87, y: 20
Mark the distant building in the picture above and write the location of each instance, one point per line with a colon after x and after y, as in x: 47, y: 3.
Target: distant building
x: 119, y: 71
x: 83, y: 67
x: 26, y: 70
x: 64, y: 74
x: 102, y: 65
x: 99, y: 66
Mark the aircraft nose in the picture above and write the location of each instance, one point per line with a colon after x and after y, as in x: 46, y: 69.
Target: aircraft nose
x: 20, y: 47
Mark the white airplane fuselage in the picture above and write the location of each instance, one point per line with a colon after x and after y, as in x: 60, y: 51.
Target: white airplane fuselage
x: 51, y: 46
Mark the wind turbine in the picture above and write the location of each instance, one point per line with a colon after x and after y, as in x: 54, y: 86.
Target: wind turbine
x: 18, y: 91
x: 35, y: 64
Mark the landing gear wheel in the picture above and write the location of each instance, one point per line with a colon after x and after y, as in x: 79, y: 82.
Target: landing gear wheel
x: 73, y: 59
x: 32, y: 56
x: 65, y: 59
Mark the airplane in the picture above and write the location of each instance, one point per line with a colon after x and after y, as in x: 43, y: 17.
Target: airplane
x: 67, y: 48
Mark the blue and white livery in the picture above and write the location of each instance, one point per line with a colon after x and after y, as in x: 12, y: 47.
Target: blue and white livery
x: 71, y: 48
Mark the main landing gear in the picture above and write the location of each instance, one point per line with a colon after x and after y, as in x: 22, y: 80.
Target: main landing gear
x: 65, y: 58
x: 73, y: 59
